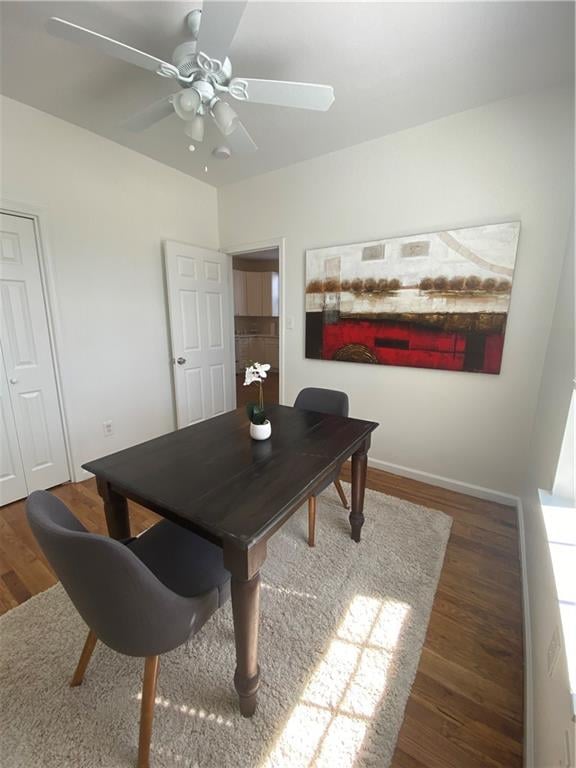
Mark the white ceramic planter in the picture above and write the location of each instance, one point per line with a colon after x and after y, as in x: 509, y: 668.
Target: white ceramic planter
x: 260, y: 431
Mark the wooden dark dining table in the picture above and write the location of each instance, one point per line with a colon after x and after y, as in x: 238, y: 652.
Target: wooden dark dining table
x: 215, y: 480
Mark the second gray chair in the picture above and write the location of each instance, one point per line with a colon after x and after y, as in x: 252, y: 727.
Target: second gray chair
x: 141, y: 598
x: 323, y: 401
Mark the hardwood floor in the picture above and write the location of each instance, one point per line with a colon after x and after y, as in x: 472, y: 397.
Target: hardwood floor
x: 466, y: 705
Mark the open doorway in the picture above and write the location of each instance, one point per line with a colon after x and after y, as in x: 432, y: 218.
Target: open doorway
x: 256, y: 286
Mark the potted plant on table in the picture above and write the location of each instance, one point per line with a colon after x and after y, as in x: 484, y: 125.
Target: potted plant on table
x: 260, y: 427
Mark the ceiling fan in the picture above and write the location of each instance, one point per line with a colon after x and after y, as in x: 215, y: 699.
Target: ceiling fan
x: 203, y: 71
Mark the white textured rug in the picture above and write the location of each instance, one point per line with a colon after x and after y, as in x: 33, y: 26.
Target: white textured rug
x: 342, y: 628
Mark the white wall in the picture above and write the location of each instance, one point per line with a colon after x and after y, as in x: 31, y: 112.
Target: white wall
x: 505, y: 161
x: 556, y: 383
x: 108, y: 209
x: 550, y: 694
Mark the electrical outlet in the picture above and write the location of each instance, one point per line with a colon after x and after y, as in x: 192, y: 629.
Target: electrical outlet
x: 107, y: 427
x: 553, y: 651
x: 289, y: 323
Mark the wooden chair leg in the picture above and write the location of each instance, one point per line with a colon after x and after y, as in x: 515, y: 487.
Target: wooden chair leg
x: 87, y: 651
x: 147, y: 710
x: 341, y: 493
x: 312, y: 521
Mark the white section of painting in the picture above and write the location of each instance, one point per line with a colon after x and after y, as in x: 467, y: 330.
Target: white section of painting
x: 485, y: 251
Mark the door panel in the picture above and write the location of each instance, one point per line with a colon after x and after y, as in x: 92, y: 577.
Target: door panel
x: 212, y: 271
x: 35, y: 429
x: 199, y: 305
x: 190, y: 320
x: 194, y: 394
x: 187, y: 267
x: 12, y: 478
x: 17, y: 331
x: 217, y: 389
x: 28, y: 357
x: 215, y: 320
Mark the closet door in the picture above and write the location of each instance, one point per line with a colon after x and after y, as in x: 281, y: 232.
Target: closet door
x: 28, y: 357
x: 12, y: 480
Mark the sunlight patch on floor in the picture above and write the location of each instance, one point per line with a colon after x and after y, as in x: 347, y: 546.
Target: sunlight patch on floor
x: 328, y: 725
x: 289, y: 592
x: 184, y: 709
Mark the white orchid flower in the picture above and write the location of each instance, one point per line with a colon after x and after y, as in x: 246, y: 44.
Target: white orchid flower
x: 250, y: 376
x: 261, y: 369
x: 257, y: 372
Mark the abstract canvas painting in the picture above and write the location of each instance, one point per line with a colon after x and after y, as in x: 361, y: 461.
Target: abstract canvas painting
x: 438, y: 300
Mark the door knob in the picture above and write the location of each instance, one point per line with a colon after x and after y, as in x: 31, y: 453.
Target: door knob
x: 180, y: 360
x: 13, y: 381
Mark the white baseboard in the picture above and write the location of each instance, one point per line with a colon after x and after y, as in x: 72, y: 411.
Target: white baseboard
x: 446, y: 482
x: 528, y: 664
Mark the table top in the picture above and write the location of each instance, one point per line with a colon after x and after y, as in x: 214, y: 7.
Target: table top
x: 213, y: 478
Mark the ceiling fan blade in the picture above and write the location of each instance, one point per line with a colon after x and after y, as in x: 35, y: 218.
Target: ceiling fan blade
x: 283, y: 93
x: 82, y: 36
x: 218, y: 25
x: 153, y: 113
x: 239, y: 141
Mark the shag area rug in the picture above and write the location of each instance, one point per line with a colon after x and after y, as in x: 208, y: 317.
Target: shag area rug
x: 342, y: 628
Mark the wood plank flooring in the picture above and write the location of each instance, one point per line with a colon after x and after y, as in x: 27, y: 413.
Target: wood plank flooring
x: 466, y: 705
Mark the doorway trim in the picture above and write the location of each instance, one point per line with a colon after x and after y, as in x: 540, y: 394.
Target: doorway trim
x: 39, y: 218
x: 266, y: 245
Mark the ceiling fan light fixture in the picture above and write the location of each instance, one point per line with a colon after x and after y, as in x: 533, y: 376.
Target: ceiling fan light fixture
x: 195, y: 129
x: 221, y: 153
x: 186, y: 103
x: 225, y: 117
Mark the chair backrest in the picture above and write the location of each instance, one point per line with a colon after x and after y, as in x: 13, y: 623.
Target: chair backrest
x: 322, y: 400
x: 119, y: 598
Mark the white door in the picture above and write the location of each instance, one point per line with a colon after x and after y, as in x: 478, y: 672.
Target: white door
x: 199, y: 304
x: 28, y: 362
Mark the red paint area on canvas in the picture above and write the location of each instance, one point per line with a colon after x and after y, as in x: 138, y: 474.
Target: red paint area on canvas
x: 409, y: 345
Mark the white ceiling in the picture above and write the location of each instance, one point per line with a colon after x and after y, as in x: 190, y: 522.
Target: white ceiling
x: 392, y: 65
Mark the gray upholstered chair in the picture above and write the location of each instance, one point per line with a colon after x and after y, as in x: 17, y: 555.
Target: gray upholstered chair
x: 141, y: 598
x: 323, y: 401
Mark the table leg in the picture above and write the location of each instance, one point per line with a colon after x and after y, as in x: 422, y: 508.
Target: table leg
x: 116, y: 511
x: 359, y: 464
x: 246, y: 613
x: 244, y: 565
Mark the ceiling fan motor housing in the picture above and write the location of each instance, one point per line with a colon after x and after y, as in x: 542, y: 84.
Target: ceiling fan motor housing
x: 185, y: 59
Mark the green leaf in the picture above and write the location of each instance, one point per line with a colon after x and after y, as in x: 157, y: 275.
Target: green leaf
x: 255, y: 413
